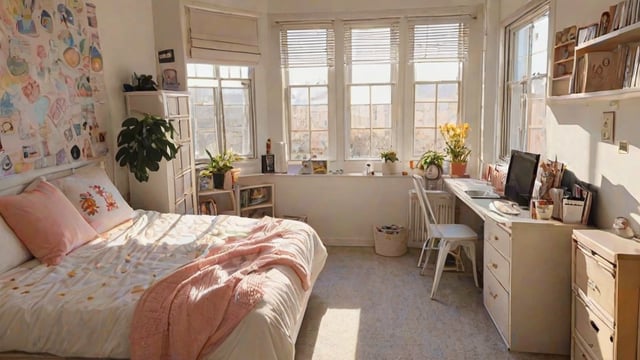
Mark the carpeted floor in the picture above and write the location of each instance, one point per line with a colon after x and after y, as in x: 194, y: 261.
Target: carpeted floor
x: 366, y: 306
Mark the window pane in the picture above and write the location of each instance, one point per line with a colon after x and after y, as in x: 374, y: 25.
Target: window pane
x: 299, y: 118
x: 204, y: 116
x: 538, y: 64
x: 237, y: 120
x: 360, y: 141
x: 515, y: 115
x: 205, y: 139
x: 423, y: 140
x: 319, y: 95
x: 359, y: 95
x: 425, y: 114
x: 538, y: 86
x: 447, y: 112
x: 319, y: 117
x: 540, y: 34
x: 360, y: 116
x: 200, y: 70
x: 538, y: 112
x: 448, y: 92
x: 440, y: 71
x: 299, y: 96
x: 201, y: 95
x: 202, y: 83
x: 520, y: 58
x: 380, y: 141
x: 320, y: 143
x: 300, y: 145
x: 425, y: 92
x: 370, y: 73
x: 381, y: 116
x: 536, y: 141
x: 308, y: 76
x: 381, y: 94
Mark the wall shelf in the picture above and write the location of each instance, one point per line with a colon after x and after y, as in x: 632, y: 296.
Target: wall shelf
x: 608, y: 95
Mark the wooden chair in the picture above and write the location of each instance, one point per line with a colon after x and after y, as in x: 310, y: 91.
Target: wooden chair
x: 451, y: 236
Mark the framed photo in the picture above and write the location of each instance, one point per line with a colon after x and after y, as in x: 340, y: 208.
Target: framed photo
x: 608, y: 123
x: 319, y: 166
x: 587, y: 33
x: 268, y: 163
x: 605, y: 23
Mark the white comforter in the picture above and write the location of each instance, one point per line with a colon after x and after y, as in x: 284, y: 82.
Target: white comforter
x: 83, y: 307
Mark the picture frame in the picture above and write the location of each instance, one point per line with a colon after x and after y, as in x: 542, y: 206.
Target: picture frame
x: 268, y: 163
x: 608, y: 126
x: 587, y: 33
x: 319, y: 166
x: 605, y: 23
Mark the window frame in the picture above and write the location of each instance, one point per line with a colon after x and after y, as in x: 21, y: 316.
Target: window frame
x: 219, y: 119
x: 394, y: 83
x: 528, y: 18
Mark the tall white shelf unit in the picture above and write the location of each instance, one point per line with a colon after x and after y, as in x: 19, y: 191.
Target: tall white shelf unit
x: 171, y: 189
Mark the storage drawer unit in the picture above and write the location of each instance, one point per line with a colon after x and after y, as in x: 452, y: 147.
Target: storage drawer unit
x: 526, y: 274
x: 606, y: 293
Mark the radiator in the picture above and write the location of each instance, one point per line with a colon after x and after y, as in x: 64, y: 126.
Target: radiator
x: 442, y: 204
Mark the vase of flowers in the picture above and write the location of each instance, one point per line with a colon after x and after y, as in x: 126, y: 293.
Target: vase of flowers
x: 390, y: 162
x: 454, y: 137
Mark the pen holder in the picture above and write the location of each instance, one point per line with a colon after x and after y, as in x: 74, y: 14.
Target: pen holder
x: 544, y: 209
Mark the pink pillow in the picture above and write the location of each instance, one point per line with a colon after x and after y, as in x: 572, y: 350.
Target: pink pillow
x: 95, y: 197
x: 46, y: 222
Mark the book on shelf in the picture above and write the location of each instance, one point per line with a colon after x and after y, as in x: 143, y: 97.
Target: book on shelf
x: 600, y: 71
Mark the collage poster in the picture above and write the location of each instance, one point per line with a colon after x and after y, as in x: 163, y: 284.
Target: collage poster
x: 52, y: 84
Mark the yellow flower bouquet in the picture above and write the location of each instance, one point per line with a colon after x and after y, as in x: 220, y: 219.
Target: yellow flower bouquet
x: 454, y: 136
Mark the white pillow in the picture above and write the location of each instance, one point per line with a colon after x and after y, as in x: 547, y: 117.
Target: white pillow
x: 12, y: 250
x: 95, y: 197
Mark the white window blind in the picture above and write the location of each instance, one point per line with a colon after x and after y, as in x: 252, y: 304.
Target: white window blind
x: 310, y: 45
x: 224, y: 38
x: 438, y: 41
x: 368, y: 43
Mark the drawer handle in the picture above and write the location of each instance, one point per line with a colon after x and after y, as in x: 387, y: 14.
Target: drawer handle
x: 594, y: 326
x: 584, y: 356
x: 592, y: 285
x: 494, y: 296
x: 496, y: 238
x: 493, y: 265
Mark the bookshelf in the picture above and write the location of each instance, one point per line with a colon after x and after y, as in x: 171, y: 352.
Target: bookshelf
x: 611, y: 42
x: 216, y: 202
x: 255, y: 201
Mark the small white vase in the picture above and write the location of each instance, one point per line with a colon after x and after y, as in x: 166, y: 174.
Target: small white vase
x: 390, y: 168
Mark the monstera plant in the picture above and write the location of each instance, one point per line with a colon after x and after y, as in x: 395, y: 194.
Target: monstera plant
x: 143, y: 143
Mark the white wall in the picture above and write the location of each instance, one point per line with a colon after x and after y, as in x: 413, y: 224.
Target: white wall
x: 126, y: 36
x: 573, y: 131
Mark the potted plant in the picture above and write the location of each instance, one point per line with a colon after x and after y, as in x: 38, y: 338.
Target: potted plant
x: 219, y: 165
x: 143, y: 143
x: 454, y: 136
x: 431, y: 157
x: 390, y: 161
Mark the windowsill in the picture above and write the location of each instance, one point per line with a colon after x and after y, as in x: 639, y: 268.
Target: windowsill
x: 324, y: 175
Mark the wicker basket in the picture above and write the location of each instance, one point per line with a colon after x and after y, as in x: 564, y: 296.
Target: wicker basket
x: 390, y: 244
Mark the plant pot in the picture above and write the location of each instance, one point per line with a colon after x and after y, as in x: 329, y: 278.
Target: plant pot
x: 458, y: 169
x: 218, y: 180
x: 390, y: 168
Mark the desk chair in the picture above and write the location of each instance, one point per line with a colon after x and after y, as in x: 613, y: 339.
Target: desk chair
x: 451, y: 236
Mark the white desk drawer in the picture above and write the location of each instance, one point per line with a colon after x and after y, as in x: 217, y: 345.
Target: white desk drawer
x: 496, y: 300
x: 498, y: 265
x: 497, y: 237
x: 578, y: 352
x: 592, y: 330
x: 595, y: 277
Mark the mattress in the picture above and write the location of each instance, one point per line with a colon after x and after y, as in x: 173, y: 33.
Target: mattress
x: 83, y: 307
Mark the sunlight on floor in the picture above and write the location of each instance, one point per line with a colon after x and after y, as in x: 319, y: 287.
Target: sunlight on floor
x: 338, y: 329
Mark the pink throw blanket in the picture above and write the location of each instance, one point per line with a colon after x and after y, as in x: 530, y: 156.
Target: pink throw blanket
x: 190, y: 312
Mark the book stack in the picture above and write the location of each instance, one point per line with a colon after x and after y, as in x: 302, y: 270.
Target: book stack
x: 625, y: 13
x: 629, y: 64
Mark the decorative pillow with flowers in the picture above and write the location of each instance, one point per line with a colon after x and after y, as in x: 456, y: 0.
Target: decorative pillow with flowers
x: 95, y: 197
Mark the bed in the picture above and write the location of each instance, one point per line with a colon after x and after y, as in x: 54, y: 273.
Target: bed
x: 85, y: 304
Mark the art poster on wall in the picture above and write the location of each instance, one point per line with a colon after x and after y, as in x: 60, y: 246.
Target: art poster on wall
x: 52, y: 84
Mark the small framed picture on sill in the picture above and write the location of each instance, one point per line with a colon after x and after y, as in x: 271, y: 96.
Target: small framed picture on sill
x: 268, y: 163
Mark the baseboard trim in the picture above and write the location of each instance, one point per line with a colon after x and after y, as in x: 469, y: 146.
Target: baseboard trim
x: 348, y: 242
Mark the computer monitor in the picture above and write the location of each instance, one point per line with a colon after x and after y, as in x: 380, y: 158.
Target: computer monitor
x: 521, y: 177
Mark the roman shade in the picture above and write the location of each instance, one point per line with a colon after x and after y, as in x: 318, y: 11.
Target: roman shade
x: 222, y: 37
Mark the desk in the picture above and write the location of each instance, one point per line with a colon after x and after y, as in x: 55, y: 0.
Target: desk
x: 526, y: 275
